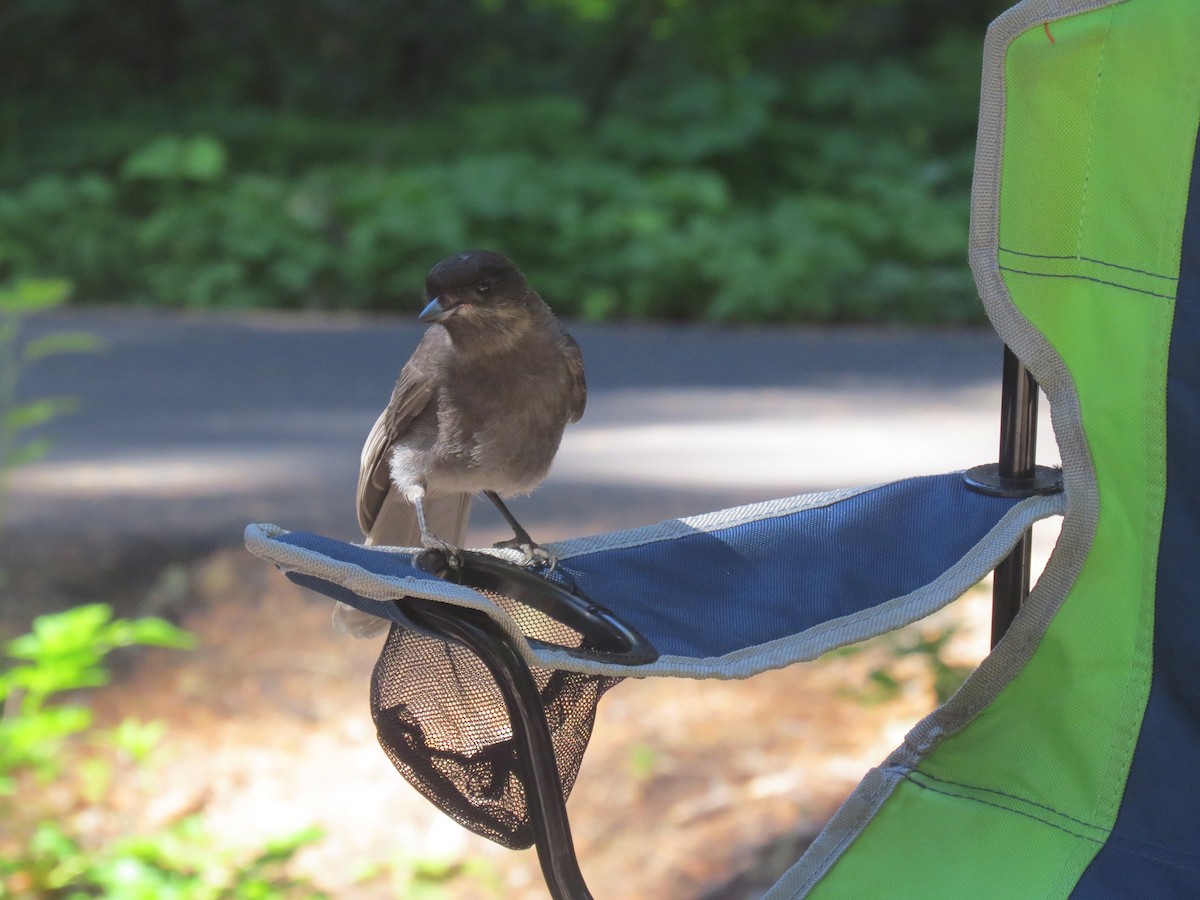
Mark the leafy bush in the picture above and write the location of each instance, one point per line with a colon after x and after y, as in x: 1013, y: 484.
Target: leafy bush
x: 836, y: 194
x: 54, y: 761
x: 73, y: 225
x: 63, y: 653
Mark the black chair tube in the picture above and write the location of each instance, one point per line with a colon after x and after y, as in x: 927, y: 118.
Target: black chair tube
x: 1018, y: 450
x: 535, y: 751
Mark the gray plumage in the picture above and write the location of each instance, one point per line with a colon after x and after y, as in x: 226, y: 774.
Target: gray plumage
x: 480, y: 407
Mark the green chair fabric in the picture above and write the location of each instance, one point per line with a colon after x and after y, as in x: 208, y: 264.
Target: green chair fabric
x: 1066, y: 765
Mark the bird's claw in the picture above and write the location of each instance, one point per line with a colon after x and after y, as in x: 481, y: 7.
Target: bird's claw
x: 532, y: 555
x: 452, y: 554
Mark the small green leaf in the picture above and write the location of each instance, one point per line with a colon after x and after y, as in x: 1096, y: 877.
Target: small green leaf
x: 137, y: 739
x: 157, y: 161
x: 203, y: 159
x: 95, y: 777
x: 29, y: 451
x: 62, y: 342
x: 281, y: 849
x: 33, y: 295
x: 38, y: 412
x: 885, y: 681
x: 173, y: 158
x: 56, y: 633
x: 50, y: 840
x: 153, y: 631
x: 643, y: 759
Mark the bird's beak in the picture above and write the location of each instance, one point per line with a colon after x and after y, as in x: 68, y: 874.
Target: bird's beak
x: 434, y: 312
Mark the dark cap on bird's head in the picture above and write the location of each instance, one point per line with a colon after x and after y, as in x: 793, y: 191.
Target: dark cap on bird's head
x: 459, y: 283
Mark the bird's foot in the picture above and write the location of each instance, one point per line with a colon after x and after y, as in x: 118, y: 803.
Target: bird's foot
x: 453, y: 555
x: 532, y: 555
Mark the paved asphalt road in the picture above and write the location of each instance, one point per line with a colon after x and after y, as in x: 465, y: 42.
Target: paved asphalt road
x: 191, y: 426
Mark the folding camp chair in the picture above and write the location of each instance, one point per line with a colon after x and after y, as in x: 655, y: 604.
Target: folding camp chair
x: 1065, y: 763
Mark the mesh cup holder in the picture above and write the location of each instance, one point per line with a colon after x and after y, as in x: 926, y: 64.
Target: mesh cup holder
x: 443, y: 722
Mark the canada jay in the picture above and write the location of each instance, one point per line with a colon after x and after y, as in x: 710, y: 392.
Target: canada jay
x: 479, y: 407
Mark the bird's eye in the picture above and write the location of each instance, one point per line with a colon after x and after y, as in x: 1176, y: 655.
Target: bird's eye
x: 483, y: 287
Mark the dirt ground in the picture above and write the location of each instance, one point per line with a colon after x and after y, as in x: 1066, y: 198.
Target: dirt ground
x: 689, y: 789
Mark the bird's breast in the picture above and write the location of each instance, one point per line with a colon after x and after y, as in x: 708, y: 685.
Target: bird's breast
x: 498, y: 430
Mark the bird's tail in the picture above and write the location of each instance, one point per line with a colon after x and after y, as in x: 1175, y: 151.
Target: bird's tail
x: 396, y: 526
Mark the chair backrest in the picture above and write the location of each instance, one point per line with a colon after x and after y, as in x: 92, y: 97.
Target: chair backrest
x: 1067, y: 764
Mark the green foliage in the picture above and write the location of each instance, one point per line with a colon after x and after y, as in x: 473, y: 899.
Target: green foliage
x: 184, y: 862
x: 64, y: 653
x: 748, y: 161
x: 947, y: 677
x: 645, y: 223
x: 17, y: 302
x: 52, y: 759
x: 426, y: 878
x: 642, y: 761
x: 172, y: 158
x: 927, y: 646
x: 68, y: 224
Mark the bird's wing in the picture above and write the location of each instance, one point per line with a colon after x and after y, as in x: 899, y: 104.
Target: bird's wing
x: 372, y: 474
x: 574, y: 358
x: 412, y: 392
x: 385, y: 517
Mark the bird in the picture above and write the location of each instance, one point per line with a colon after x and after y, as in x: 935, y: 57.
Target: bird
x: 479, y: 408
